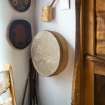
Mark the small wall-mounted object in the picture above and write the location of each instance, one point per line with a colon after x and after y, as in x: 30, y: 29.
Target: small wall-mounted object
x: 20, y: 5
x: 49, y: 53
x: 20, y: 34
x: 48, y: 12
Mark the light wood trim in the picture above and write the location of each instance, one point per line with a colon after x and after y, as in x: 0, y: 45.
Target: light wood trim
x: 9, y: 69
x: 78, y: 69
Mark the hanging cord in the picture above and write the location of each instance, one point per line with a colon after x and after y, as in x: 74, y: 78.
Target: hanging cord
x: 33, y: 85
x: 31, y: 82
x: 52, y: 3
x: 25, y: 90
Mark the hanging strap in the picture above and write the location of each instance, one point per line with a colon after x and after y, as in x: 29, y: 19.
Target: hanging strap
x: 52, y: 3
x: 33, y: 85
x: 31, y: 81
x: 25, y: 90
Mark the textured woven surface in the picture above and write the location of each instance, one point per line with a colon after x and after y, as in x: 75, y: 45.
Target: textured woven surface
x: 45, y: 53
x: 20, y: 5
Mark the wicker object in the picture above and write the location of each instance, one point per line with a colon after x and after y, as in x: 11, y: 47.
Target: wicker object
x: 49, y: 53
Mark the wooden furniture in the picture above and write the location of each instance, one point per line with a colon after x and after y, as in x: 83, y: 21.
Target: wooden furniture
x: 7, y: 94
x: 89, y: 81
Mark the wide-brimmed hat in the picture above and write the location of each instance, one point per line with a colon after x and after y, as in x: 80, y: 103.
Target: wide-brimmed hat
x: 20, y: 34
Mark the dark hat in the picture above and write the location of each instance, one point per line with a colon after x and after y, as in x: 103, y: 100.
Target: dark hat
x: 20, y: 34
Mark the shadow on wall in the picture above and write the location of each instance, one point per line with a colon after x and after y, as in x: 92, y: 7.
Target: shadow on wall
x: 53, y: 84
x: 69, y: 67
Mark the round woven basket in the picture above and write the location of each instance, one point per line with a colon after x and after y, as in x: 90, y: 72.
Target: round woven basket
x: 55, y: 43
x: 20, y: 5
x: 63, y: 50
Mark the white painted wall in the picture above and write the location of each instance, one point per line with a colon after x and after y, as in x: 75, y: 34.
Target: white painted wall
x: 8, y: 54
x: 57, y: 90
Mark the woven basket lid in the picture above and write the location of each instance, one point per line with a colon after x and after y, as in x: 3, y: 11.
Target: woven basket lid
x: 20, y: 34
x: 47, y: 52
x: 20, y: 5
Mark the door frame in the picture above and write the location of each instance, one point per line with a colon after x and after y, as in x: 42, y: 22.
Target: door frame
x: 83, y: 81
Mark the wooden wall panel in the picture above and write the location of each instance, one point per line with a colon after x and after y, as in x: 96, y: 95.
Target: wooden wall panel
x: 100, y: 33
x: 99, y: 90
x: 100, y: 5
x: 100, y: 20
x: 100, y: 69
x: 100, y: 48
